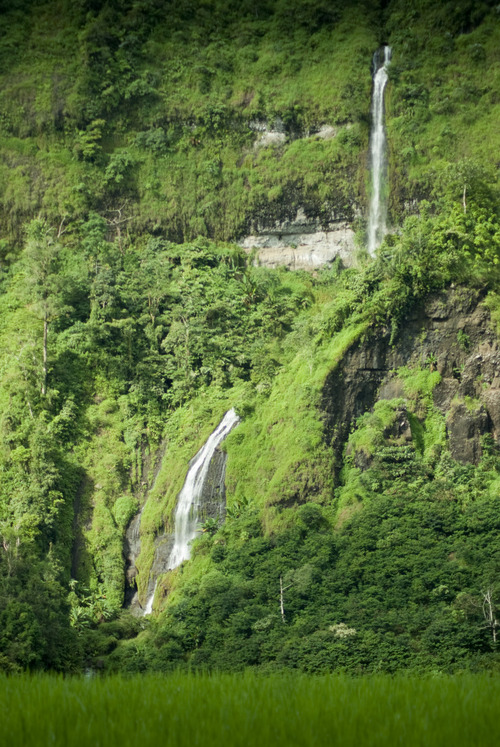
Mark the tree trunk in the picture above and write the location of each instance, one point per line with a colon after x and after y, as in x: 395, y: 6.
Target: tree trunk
x: 282, y: 598
x: 489, y: 613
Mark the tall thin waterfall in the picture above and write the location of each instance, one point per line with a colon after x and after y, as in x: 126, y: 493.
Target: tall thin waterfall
x: 188, y: 500
x: 377, y: 218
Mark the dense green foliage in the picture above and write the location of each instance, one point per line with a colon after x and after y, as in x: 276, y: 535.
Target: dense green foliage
x: 182, y: 710
x: 151, y: 329
x: 147, y: 111
x: 398, y: 585
x: 130, y: 159
x: 443, y: 98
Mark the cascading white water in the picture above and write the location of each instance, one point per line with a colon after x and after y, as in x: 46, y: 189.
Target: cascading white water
x: 186, y: 515
x: 149, y: 604
x: 377, y: 218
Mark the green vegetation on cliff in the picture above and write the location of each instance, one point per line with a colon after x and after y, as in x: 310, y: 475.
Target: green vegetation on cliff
x: 138, y: 141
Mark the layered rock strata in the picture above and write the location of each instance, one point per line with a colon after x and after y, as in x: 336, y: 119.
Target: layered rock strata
x: 301, y: 243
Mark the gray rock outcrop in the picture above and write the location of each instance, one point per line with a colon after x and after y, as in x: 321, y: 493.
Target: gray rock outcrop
x: 450, y: 332
x: 301, y: 243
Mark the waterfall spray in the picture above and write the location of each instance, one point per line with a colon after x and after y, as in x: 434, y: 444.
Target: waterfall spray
x: 377, y: 218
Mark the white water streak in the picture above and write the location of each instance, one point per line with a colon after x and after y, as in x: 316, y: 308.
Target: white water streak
x: 186, y: 515
x: 377, y: 219
x: 149, y: 604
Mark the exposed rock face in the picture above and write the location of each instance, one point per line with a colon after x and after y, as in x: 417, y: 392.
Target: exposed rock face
x: 213, y: 497
x: 297, y: 230
x: 491, y: 399
x: 277, y: 127
x: 301, y: 243
x: 132, y: 548
x: 269, y: 137
x: 451, y: 333
x: 465, y: 428
x: 163, y: 548
x: 325, y: 132
x: 400, y: 430
x: 151, y: 464
x: 292, y: 231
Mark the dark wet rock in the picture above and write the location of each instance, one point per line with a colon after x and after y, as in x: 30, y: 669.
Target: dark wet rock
x: 491, y: 400
x: 449, y: 332
x: 213, y: 498
x: 163, y: 547
x: 132, y: 547
x: 443, y: 394
x: 391, y: 389
x: 465, y: 428
x: 400, y: 428
x: 131, y: 550
x: 438, y: 309
x: 211, y: 506
x: 150, y: 467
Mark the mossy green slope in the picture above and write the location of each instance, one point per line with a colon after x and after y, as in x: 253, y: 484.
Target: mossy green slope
x: 126, y: 126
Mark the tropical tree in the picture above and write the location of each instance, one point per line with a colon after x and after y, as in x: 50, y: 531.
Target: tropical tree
x: 42, y: 259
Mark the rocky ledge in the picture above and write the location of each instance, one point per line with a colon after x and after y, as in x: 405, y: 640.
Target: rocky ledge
x: 302, y: 243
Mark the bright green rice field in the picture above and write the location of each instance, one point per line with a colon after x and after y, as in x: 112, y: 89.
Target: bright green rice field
x: 249, y: 710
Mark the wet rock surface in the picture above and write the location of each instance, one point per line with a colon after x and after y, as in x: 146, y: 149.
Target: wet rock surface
x: 132, y: 548
x: 151, y: 463
x: 465, y: 428
x: 213, y: 498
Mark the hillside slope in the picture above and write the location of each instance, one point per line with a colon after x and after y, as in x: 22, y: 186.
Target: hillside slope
x: 139, y: 143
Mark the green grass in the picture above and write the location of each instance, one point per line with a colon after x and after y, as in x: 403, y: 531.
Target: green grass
x: 249, y: 710
x: 441, y: 102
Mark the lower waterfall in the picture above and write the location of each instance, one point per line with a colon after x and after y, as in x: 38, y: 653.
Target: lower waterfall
x: 149, y: 604
x: 189, y: 498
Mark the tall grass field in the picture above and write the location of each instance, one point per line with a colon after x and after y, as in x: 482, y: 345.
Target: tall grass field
x: 249, y: 710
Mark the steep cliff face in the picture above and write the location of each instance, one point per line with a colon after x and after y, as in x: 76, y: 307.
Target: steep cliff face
x: 450, y: 334
x: 298, y: 228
